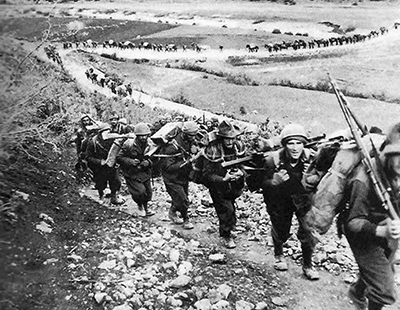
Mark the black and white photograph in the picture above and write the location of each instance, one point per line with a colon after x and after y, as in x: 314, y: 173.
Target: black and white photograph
x: 199, y: 154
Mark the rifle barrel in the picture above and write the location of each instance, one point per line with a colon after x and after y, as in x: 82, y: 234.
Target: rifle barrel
x: 356, y: 126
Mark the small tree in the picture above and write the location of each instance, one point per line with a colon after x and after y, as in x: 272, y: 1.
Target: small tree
x: 74, y: 27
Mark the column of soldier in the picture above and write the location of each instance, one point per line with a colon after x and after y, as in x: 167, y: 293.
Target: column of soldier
x: 280, y: 177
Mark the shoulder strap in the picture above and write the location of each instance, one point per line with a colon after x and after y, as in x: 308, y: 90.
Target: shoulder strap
x: 94, y: 139
x: 306, y: 154
x: 97, y: 143
x: 213, y: 154
x: 276, y: 156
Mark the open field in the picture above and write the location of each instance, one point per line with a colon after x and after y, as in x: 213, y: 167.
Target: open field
x: 367, y: 69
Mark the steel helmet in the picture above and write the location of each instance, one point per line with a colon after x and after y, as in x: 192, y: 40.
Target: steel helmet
x: 114, y: 115
x: 103, y: 127
x: 85, y: 117
x: 142, y: 129
x: 391, y: 145
x: 190, y: 128
x: 293, y: 131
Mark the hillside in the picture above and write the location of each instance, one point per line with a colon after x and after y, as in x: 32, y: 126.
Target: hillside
x: 61, y: 248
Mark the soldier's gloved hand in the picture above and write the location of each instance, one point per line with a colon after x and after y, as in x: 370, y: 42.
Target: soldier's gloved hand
x: 280, y: 177
x: 310, y: 181
x: 135, y: 162
x: 194, y: 149
x: 236, y: 174
x: 228, y: 177
x: 389, y: 229
x: 103, y: 162
x: 145, y: 163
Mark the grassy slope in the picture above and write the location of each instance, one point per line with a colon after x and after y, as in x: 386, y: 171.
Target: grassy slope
x: 319, y: 111
x: 368, y: 69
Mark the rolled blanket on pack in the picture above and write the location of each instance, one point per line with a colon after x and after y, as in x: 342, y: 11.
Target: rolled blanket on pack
x: 113, y: 152
x: 328, y: 199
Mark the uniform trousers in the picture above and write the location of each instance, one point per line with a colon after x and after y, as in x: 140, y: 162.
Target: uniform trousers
x: 376, y: 273
x: 141, y: 191
x: 179, y: 194
x: 224, y: 205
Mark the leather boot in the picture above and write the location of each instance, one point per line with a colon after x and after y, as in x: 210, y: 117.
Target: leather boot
x: 308, y: 270
x: 115, y: 200
x: 147, y: 211
x: 101, y: 194
x: 174, y: 217
x: 374, y: 306
x: 358, y: 298
x: 187, y: 224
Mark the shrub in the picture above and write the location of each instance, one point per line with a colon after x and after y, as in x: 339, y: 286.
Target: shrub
x: 241, y: 79
x: 65, y: 13
x: 112, y: 56
x: 109, y: 11
x: 323, y: 86
x: 25, y: 11
x: 243, y: 110
x: 181, y: 99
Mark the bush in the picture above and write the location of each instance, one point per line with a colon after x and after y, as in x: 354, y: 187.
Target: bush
x: 109, y: 11
x: 65, y: 13
x: 243, y: 110
x: 112, y: 56
x: 350, y: 29
x: 241, y: 79
x: 181, y: 99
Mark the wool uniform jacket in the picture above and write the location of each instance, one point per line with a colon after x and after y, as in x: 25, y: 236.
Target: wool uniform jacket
x: 134, y: 149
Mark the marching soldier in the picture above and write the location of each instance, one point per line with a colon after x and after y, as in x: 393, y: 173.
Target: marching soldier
x: 87, y: 129
x: 86, y: 125
x: 225, y: 185
x: 137, y: 168
x: 118, y: 125
x: 175, y: 170
x: 96, y: 156
x: 285, y: 196
x: 372, y: 235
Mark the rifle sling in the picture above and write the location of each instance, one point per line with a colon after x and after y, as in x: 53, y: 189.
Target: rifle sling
x: 337, y: 173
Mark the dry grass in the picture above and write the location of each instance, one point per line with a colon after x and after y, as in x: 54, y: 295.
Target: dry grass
x: 366, y: 70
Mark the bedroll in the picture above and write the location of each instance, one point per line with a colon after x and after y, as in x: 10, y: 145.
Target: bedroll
x: 329, y: 199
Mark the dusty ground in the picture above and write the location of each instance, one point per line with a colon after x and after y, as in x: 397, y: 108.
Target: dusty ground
x: 33, y: 280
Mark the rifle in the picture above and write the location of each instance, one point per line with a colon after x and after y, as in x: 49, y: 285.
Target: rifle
x: 315, y: 141
x: 241, y: 160
x: 379, y: 180
x: 193, y: 158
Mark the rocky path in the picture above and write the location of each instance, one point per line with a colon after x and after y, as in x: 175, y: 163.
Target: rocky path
x: 150, y: 260
x: 290, y: 290
x: 76, y: 70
